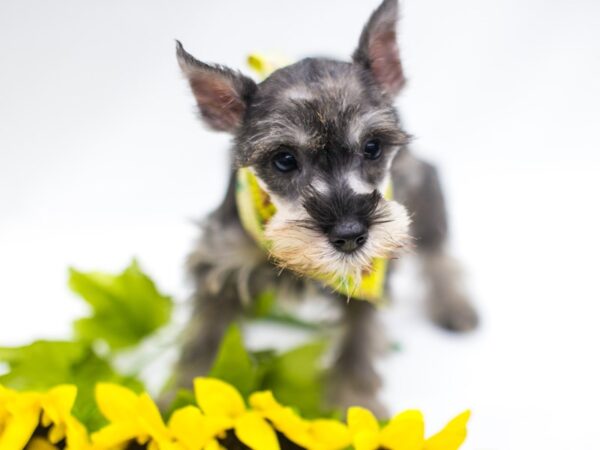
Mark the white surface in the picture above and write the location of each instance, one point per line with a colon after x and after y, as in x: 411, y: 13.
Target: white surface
x: 101, y: 159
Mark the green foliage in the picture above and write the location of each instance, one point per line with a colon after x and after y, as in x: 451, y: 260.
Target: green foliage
x: 45, y: 364
x: 41, y: 364
x: 233, y: 363
x: 264, y: 304
x: 126, y: 307
x: 295, y: 377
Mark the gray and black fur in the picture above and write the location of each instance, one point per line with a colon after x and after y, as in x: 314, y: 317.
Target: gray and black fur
x: 324, y: 116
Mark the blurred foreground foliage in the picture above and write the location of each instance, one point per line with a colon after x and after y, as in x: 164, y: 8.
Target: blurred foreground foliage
x: 295, y: 377
x: 125, y: 310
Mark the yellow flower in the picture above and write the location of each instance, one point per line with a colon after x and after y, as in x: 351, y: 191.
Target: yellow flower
x: 452, y: 436
x: 193, y: 430
x: 136, y: 417
x: 322, y: 434
x: 222, y: 401
x: 22, y: 413
x: 56, y: 406
x: 19, y: 417
x: 77, y: 436
x: 406, y: 431
x: 131, y: 417
x: 42, y: 443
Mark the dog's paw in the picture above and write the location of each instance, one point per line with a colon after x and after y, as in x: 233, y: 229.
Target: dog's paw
x: 454, y: 314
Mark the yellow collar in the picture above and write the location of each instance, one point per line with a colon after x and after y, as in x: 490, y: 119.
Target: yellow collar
x: 256, y: 209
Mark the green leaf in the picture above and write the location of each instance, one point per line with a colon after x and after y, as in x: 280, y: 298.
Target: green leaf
x: 126, y: 308
x: 264, y: 303
x: 41, y: 364
x: 86, y: 373
x: 263, y: 361
x: 296, y: 378
x: 45, y: 364
x: 233, y: 363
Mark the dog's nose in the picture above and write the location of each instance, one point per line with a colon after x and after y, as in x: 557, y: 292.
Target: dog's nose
x: 348, y: 235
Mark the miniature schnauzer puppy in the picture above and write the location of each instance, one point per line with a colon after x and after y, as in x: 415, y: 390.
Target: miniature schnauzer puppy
x: 323, y: 140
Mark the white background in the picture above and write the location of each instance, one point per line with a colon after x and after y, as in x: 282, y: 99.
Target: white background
x: 102, y: 159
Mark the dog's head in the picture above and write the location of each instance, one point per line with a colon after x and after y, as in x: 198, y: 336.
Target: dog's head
x: 320, y: 136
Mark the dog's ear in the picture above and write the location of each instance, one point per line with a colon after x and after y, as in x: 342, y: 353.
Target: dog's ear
x: 378, y: 51
x: 222, y: 94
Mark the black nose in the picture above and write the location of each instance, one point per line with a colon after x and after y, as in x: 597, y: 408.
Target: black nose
x: 348, y: 235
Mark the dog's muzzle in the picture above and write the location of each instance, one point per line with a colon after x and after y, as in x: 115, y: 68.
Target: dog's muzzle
x: 344, y: 242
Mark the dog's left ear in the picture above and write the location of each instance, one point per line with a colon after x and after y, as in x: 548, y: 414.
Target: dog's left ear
x: 378, y: 51
x: 221, y: 93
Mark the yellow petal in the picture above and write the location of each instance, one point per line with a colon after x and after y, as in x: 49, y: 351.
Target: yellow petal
x: 150, y: 420
x: 216, y: 426
x: 57, y: 433
x: 46, y: 421
x: 115, y: 434
x: 404, y: 432
x: 452, y: 436
x: 23, y: 417
x: 266, y: 63
x: 212, y: 445
x: 58, y: 402
x: 259, y: 64
x: 329, y: 434
x: 186, y: 424
x: 366, y: 440
x: 217, y: 398
x: 283, y: 418
x: 131, y: 416
x: 263, y: 400
x: 167, y: 445
x: 361, y: 419
x: 189, y: 426
x: 255, y: 432
x: 77, y: 435
x: 115, y: 402
x: 38, y: 443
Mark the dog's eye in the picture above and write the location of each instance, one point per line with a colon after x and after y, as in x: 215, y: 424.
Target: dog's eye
x: 285, y: 162
x: 372, y: 149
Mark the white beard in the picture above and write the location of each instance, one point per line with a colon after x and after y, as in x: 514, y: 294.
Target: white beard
x: 307, y: 251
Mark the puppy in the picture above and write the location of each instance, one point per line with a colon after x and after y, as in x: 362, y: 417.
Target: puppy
x: 318, y: 145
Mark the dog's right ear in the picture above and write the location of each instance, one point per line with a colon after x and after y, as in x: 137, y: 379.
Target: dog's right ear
x: 378, y: 51
x: 221, y: 94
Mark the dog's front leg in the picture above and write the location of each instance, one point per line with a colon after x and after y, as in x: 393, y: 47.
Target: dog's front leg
x: 354, y: 381
x: 212, y: 315
x: 417, y: 186
x: 448, y: 301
